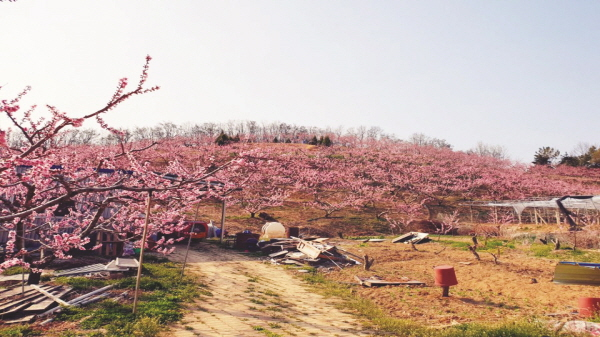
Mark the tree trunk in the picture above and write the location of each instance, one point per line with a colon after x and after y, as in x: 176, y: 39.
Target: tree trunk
x: 34, y: 278
x: 20, y: 229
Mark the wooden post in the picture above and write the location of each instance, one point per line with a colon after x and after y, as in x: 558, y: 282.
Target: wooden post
x: 139, y: 273
x: 23, y: 260
x: 368, y: 262
x: 445, y: 291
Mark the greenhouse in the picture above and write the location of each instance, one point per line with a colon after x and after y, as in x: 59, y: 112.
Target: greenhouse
x: 582, y: 209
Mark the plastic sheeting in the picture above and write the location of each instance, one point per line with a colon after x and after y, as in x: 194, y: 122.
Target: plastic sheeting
x: 575, y: 202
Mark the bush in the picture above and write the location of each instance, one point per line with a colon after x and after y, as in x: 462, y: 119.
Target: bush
x: 15, y: 270
x: 147, y: 327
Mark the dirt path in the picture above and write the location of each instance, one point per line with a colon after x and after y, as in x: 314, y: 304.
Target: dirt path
x: 251, y: 298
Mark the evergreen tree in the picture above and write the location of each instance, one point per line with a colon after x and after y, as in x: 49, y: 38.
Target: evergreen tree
x: 222, y: 139
x: 545, y: 156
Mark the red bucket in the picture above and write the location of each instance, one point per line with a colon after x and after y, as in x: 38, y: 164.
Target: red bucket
x: 445, y: 276
x: 589, y: 306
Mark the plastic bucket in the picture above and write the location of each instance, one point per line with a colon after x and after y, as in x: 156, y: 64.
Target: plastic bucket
x: 445, y: 276
x: 589, y: 306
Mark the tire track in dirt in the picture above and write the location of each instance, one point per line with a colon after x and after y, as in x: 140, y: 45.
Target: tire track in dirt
x: 251, y: 298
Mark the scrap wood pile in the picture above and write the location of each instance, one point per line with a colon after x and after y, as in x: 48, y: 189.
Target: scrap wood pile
x: 314, y: 252
x: 26, y: 303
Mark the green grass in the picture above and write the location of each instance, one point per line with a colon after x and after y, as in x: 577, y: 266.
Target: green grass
x: 81, y: 283
x: 15, y: 270
x: 564, y: 254
x: 161, y: 303
x: 20, y: 331
x: 492, y: 244
x: 265, y: 331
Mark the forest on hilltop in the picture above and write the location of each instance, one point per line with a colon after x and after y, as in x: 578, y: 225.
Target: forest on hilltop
x: 61, y: 184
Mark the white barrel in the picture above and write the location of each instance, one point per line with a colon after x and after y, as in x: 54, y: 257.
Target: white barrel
x: 273, y: 230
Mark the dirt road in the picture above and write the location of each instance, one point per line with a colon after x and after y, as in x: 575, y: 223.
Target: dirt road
x: 251, y: 298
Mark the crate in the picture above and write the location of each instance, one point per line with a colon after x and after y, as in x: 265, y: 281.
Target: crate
x: 111, y: 245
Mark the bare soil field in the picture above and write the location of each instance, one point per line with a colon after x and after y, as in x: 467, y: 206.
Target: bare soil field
x: 518, y: 285
x: 251, y: 298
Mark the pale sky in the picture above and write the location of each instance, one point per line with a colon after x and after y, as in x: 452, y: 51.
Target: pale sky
x: 520, y: 74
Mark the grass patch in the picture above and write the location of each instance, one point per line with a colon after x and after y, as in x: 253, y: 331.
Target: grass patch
x: 497, y: 243
x: 15, y: 270
x: 161, y: 302
x: 20, y: 331
x: 81, y: 283
x: 564, y: 254
x: 462, y: 245
x: 265, y: 331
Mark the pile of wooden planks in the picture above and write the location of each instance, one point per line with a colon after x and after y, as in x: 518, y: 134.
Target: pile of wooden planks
x: 301, y: 252
x: 21, y: 304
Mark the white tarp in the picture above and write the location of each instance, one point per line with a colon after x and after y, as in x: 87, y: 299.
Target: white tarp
x: 592, y: 202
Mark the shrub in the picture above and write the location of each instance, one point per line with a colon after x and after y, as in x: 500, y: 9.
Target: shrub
x: 146, y: 327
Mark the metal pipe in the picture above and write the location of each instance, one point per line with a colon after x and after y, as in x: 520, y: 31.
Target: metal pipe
x: 190, y: 240
x: 222, y: 222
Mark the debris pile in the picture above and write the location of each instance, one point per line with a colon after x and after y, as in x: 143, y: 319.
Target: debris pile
x: 119, y: 265
x: 25, y: 303
x: 412, y: 238
x: 314, y: 252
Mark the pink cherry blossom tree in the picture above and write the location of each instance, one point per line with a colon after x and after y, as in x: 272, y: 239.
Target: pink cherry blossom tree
x: 54, y: 197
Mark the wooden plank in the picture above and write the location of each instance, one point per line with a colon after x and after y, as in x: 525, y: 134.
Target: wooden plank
x: 332, y: 257
x: 360, y: 280
x: 309, y: 250
x: 378, y: 283
x: 25, y: 319
x: 288, y: 261
x: 13, y: 291
x: 47, y: 303
x: 320, y: 240
x: 29, y: 296
x: 48, y: 294
x: 16, y: 309
x: 280, y: 253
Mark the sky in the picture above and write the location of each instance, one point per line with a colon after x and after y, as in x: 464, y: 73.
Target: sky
x: 517, y: 74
